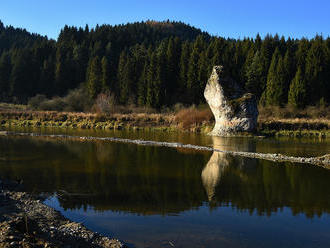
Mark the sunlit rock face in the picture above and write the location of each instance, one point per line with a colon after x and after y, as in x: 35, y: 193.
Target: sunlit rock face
x: 234, y: 110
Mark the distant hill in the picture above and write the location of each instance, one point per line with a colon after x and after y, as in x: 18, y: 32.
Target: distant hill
x: 11, y: 37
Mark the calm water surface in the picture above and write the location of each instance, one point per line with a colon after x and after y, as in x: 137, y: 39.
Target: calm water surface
x: 163, y: 197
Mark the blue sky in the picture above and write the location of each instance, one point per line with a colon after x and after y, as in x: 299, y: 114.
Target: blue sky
x: 234, y: 19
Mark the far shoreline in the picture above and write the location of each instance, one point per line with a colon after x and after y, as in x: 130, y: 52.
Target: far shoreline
x: 166, y: 122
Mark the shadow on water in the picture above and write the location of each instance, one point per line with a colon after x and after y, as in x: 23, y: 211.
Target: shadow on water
x: 166, y: 190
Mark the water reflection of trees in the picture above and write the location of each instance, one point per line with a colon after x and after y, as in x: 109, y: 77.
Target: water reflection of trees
x: 153, y: 180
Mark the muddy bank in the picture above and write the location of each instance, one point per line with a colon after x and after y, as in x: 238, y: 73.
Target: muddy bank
x: 323, y: 161
x: 26, y: 222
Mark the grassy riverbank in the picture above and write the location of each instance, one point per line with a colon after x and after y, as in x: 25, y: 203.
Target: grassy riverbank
x: 279, y: 122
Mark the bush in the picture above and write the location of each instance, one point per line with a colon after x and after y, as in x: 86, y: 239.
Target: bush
x: 104, y: 103
x: 54, y: 104
x: 34, y: 102
x: 290, y: 112
x: 192, y: 116
x: 77, y: 100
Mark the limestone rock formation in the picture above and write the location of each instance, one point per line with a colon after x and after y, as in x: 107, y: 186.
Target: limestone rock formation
x: 234, y: 110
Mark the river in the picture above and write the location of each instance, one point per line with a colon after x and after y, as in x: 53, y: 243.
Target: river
x: 151, y: 196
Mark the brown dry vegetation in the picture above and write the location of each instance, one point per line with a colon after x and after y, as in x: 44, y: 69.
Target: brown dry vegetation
x: 288, y: 112
x: 191, y: 118
x: 289, y: 118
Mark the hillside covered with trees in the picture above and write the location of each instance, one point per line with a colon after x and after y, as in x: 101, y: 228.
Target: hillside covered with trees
x: 159, y: 64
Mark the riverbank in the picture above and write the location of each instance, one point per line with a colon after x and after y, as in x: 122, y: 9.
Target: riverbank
x: 295, y: 127
x: 26, y: 222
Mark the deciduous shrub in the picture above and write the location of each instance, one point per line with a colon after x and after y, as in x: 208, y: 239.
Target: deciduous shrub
x: 104, y: 103
x: 192, y: 116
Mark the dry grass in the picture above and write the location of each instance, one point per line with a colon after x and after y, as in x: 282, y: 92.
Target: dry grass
x: 189, y: 117
x: 288, y: 118
x: 277, y: 113
x: 12, y: 107
x: 74, y: 117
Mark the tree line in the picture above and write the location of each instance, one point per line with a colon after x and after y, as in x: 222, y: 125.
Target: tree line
x: 159, y: 64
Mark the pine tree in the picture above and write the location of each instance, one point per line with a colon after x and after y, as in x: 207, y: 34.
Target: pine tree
x: 5, y: 70
x: 94, y: 79
x: 247, y: 64
x: 151, y: 78
x: 184, y: 62
x: 289, y: 70
x: 46, y: 81
x: 161, y: 95
x: 301, y: 54
x: 171, y: 69
x: 298, y: 92
x: 254, y: 75
x: 80, y: 60
x: 202, y: 73
x: 274, y: 88
x: 316, y: 72
x: 22, y: 85
x: 125, y: 78
x: 120, y: 75
x: 105, y: 74
x: 61, y: 73
x: 142, y: 86
x: 218, y: 50
x: 193, y: 84
x: 281, y: 75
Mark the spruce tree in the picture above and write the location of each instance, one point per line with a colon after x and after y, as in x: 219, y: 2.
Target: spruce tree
x: 80, y: 61
x: 151, y: 78
x: 202, y: 73
x: 193, y: 84
x: 61, y: 73
x: 142, y: 86
x: 5, y: 70
x: 105, y: 74
x: 171, y: 66
x: 184, y: 62
x: 248, y: 61
x: 281, y: 74
x: 161, y: 95
x: 316, y: 72
x: 120, y: 75
x: 254, y: 75
x: 94, y: 80
x: 289, y: 70
x: 274, y: 90
x: 298, y: 91
x: 46, y: 81
x: 125, y: 78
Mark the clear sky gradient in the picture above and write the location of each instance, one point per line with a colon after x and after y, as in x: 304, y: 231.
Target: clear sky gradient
x: 228, y: 18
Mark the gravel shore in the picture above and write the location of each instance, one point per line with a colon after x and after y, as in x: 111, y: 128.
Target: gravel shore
x: 26, y: 222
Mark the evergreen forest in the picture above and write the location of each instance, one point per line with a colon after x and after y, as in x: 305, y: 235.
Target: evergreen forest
x: 159, y: 64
